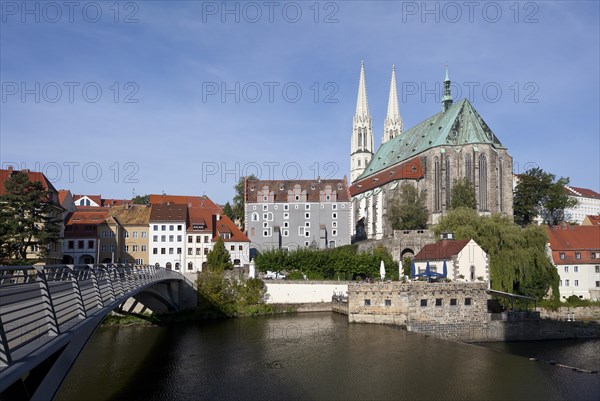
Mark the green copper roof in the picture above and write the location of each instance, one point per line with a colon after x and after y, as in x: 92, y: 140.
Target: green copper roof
x: 459, y: 125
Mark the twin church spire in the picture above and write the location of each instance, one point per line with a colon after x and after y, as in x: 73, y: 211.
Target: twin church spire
x: 362, y: 130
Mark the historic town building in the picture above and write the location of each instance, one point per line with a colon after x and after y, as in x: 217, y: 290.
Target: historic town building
x: 588, y: 203
x: 575, y: 251
x: 432, y: 155
x: 297, y: 213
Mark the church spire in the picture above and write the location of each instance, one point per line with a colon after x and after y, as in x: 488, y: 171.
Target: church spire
x: 393, y: 121
x: 362, y: 105
x: 447, y: 99
x: 362, y: 131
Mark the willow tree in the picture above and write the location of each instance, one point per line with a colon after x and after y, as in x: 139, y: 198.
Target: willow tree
x: 518, y: 260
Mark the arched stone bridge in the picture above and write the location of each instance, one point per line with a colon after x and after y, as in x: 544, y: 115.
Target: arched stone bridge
x: 48, y: 313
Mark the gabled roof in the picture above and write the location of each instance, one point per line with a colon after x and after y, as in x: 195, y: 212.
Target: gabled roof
x: 581, y: 192
x: 78, y: 220
x: 115, y: 202
x: 168, y: 212
x: 196, y: 201
x: 131, y: 215
x: 591, y: 221
x: 94, y: 198
x: 313, y: 189
x: 459, y: 125
x: 33, y: 177
x: 444, y: 249
x: 567, y: 239
x: 208, y: 218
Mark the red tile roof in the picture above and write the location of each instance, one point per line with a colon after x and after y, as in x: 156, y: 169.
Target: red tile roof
x: 411, y: 169
x: 582, y: 192
x: 594, y: 220
x: 569, y: 239
x: 197, y: 201
x: 62, y: 195
x: 444, y: 249
x: 115, y: 202
x: 169, y: 212
x: 84, y: 216
x: 33, y: 176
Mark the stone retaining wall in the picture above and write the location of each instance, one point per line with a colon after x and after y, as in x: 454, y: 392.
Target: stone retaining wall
x: 565, y: 313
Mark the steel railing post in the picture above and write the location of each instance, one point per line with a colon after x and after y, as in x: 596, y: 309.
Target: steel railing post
x: 77, y: 292
x: 47, y: 295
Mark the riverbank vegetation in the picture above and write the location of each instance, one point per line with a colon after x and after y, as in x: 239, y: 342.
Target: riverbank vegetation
x: 341, y: 263
x: 518, y: 260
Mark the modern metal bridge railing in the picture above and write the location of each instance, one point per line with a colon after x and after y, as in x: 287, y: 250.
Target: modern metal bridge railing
x: 38, y: 303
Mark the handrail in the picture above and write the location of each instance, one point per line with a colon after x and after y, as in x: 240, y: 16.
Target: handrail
x: 38, y: 303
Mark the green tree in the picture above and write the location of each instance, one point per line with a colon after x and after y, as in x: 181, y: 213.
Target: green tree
x: 408, y: 211
x: 518, y: 260
x: 239, y: 201
x: 141, y: 200
x: 28, y: 218
x: 218, y: 259
x: 228, y: 211
x: 463, y: 194
x: 539, y: 194
x: 406, y: 265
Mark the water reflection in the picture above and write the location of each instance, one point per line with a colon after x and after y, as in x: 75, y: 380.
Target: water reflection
x: 308, y: 356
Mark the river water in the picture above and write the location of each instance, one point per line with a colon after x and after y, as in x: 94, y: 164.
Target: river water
x: 318, y: 356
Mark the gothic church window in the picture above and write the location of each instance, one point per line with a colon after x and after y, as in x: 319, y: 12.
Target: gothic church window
x: 448, y: 182
x: 501, y: 184
x: 437, y: 182
x: 483, y: 184
x: 468, y: 168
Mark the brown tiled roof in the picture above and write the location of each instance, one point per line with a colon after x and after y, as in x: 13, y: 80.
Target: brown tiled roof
x: 132, y: 215
x: 582, y: 192
x: 594, y: 220
x: 168, y: 212
x: 411, y: 169
x: 568, y: 239
x: 84, y: 216
x: 444, y: 249
x: 207, y: 217
x: 197, y: 201
x: 33, y: 177
x: 313, y: 189
x: 115, y: 202
x: 62, y: 195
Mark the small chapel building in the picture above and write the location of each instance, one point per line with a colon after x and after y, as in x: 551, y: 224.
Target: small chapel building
x: 446, y: 147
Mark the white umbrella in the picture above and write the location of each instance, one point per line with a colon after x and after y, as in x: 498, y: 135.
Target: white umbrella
x: 252, y: 270
x: 382, y: 270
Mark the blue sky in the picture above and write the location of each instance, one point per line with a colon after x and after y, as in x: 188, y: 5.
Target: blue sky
x: 195, y: 94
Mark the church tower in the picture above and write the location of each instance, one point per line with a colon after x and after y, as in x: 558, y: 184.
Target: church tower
x: 392, y: 126
x: 362, y: 131
x: 447, y: 99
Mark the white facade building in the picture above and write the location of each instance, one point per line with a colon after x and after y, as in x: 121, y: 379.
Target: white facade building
x: 588, y: 203
x: 167, y: 230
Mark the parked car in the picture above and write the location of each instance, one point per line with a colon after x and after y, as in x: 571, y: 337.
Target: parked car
x: 269, y: 275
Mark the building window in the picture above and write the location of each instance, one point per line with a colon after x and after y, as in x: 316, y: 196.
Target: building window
x: 597, y: 283
x: 163, y: 251
x: 163, y: 238
x: 155, y: 251
x: 334, y: 206
x: 300, y: 230
x: 448, y: 182
x: 232, y: 247
x: 190, y: 266
x: 593, y: 255
x: 267, y: 232
x: 332, y: 244
x: 80, y: 244
x: 265, y: 207
x: 334, y: 215
x: 190, y: 251
x: 307, y: 207
x: 156, y: 227
x: 388, y: 302
x: 452, y: 301
x: 577, y: 255
x: 437, y: 185
x: 286, y: 233
x: 423, y: 302
x: 501, y: 184
x: 286, y: 224
x: 265, y: 224
x: 170, y: 251
x: 566, y: 269
x: 307, y: 233
x: 144, y: 248
x: 171, y: 227
x: 71, y: 244
x: 163, y: 228
x: 306, y: 243
x: 438, y: 302
x: 135, y: 234
x: 566, y: 282
x: 307, y: 215
x: 179, y: 238
x: 179, y: 227
x: 143, y: 234
x: 126, y: 234
x: 334, y: 233
x: 597, y: 269
x: 467, y: 301
x: 178, y: 251
x: 190, y: 239
x: 155, y: 238
x: 575, y: 269
x: 205, y: 238
x: 126, y: 248
x: 254, y: 216
x: 367, y: 302
x: 286, y: 207
x: 135, y: 248
x: 562, y: 255
x: 483, y: 201
x: 307, y: 224
x: 334, y: 224
x: 468, y: 168
x: 286, y: 216
x: 576, y: 283
x: 171, y: 238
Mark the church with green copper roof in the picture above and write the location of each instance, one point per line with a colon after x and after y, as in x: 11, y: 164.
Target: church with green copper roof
x: 450, y: 146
